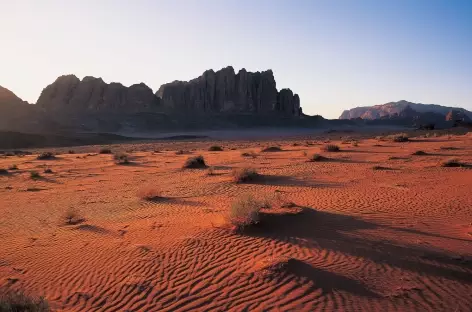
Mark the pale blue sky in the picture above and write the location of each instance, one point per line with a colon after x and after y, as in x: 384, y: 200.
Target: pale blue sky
x: 335, y: 54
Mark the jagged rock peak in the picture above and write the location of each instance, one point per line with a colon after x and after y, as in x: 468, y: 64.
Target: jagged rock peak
x: 226, y: 91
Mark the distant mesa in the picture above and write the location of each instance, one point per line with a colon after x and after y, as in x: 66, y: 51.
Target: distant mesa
x: 396, y: 108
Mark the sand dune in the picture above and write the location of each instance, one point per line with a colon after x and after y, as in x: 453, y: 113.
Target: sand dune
x: 357, y: 239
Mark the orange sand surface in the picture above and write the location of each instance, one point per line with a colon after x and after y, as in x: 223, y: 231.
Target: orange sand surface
x: 359, y: 239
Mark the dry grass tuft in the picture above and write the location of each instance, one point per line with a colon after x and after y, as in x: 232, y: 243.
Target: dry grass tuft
x: 419, y: 153
x: 243, y: 175
x: 13, y: 167
x: 400, y: 137
x: 121, y: 158
x: 272, y: 149
x: 35, y: 175
x: 452, y: 163
x: 20, y: 302
x: 48, y: 170
x: 215, y: 148
x: 72, y: 216
x: 245, y: 212
x: 105, y: 151
x: 149, y: 194
x: 249, y: 154
x: 331, y: 148
x: 195, y: 162
x: 317, y: 157
x: 46, y: 156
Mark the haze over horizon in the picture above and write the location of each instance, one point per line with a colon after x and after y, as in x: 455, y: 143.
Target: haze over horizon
x: 335, y: 54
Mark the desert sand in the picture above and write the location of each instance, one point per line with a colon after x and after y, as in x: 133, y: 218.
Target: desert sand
x: 372, y: 228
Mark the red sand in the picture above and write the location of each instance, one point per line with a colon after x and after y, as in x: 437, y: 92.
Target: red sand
x: 360, y: 240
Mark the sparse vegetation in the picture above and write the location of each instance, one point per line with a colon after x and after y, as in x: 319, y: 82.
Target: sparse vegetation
x: 71, y: 152
x: 448, y: 148
x: 46, y: 156
x: 331, y: 148
x: 48, y: 170
x: 245, y: 212
x: 35, y: 175
x: 400, y: 137
x: 20, y: 302
x: 380, y: 168
x: 243, y: 175
x: 73, y: 216
x: 13, y: 167
x: 215, y: 148
x: 317, y: 157
x: 272, y: 149
x: 452, y: 163
x: 3, y: 171
x: 149, y: 194
x: 121, y: 158
x: 105, y: 151
x: 181, y: 152
x: 195, y: 162
x: 419, y: 153
x: 249, y: 154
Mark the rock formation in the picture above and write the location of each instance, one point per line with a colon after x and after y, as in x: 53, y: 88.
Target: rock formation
x: 226, y: 91
x: 457, y: 115
x: 92, y: 95
x: 392, y: 108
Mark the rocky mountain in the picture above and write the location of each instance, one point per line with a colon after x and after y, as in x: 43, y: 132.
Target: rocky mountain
x: 392, y: 108
x: 226, y: 91
x: 69, y: 94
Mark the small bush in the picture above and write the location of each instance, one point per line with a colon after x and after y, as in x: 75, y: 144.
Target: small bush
x: 19, y: 302
x: 9, y: 154
x: 47, y: 170
x: 452, y: 163
x: 13, y: 167
x: 242, y: 175
x: 215, y: 148
x: 71, y: 152
x: 401, y: 137
x: 181, y: 152
x: 35, y: 175
x: 121, y: 158
x: 195, y: 162
x: 73, y: 216
x: 211, y: 171
x: 46, y: 156
x: 380, y: 168
x: 105, y: 151
x: 245, y: 212
x: 331, y: 148
x: 317, y: 157
x: 419, y: 153
x: 149, y: 194
x: 272, y: 149
x: 249, y: 154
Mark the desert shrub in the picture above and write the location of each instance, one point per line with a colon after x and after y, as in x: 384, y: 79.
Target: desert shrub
x: 181, y: 152
x: 355, y: 143
x: 73, y: 216
x: 452, y: 163
x: 13, y: 167
x: 211, y: 171
x: 45, y: 156
x: 195, y: 162
x: 380, y: 168
x: 245, y: 211
x: 400, y: 137
x: 3, y: 171
x: 242, y: 175
x: 71, y: 152
x: 35, y: 175
x: 272, y: 149
x: 331, y: 148
x: 419, y: 153
x: 215, y: 148
x: 19, y: 302
x: 9, y: 154
x: 48, y: 170
x: 317, y: 157
x: 105, y: 151
x: 448, y: 148
x: 150, y: 194
x: 249, y: 154
x: 121, y: 158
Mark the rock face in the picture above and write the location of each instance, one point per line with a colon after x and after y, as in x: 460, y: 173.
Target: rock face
x: 457, y: 115
x: 91, y: 95
x: 392, y: 108
x: 226, y: 91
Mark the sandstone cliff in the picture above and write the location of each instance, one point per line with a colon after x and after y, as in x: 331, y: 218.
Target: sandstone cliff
x: 92, y: 95
x: 226, y: 91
